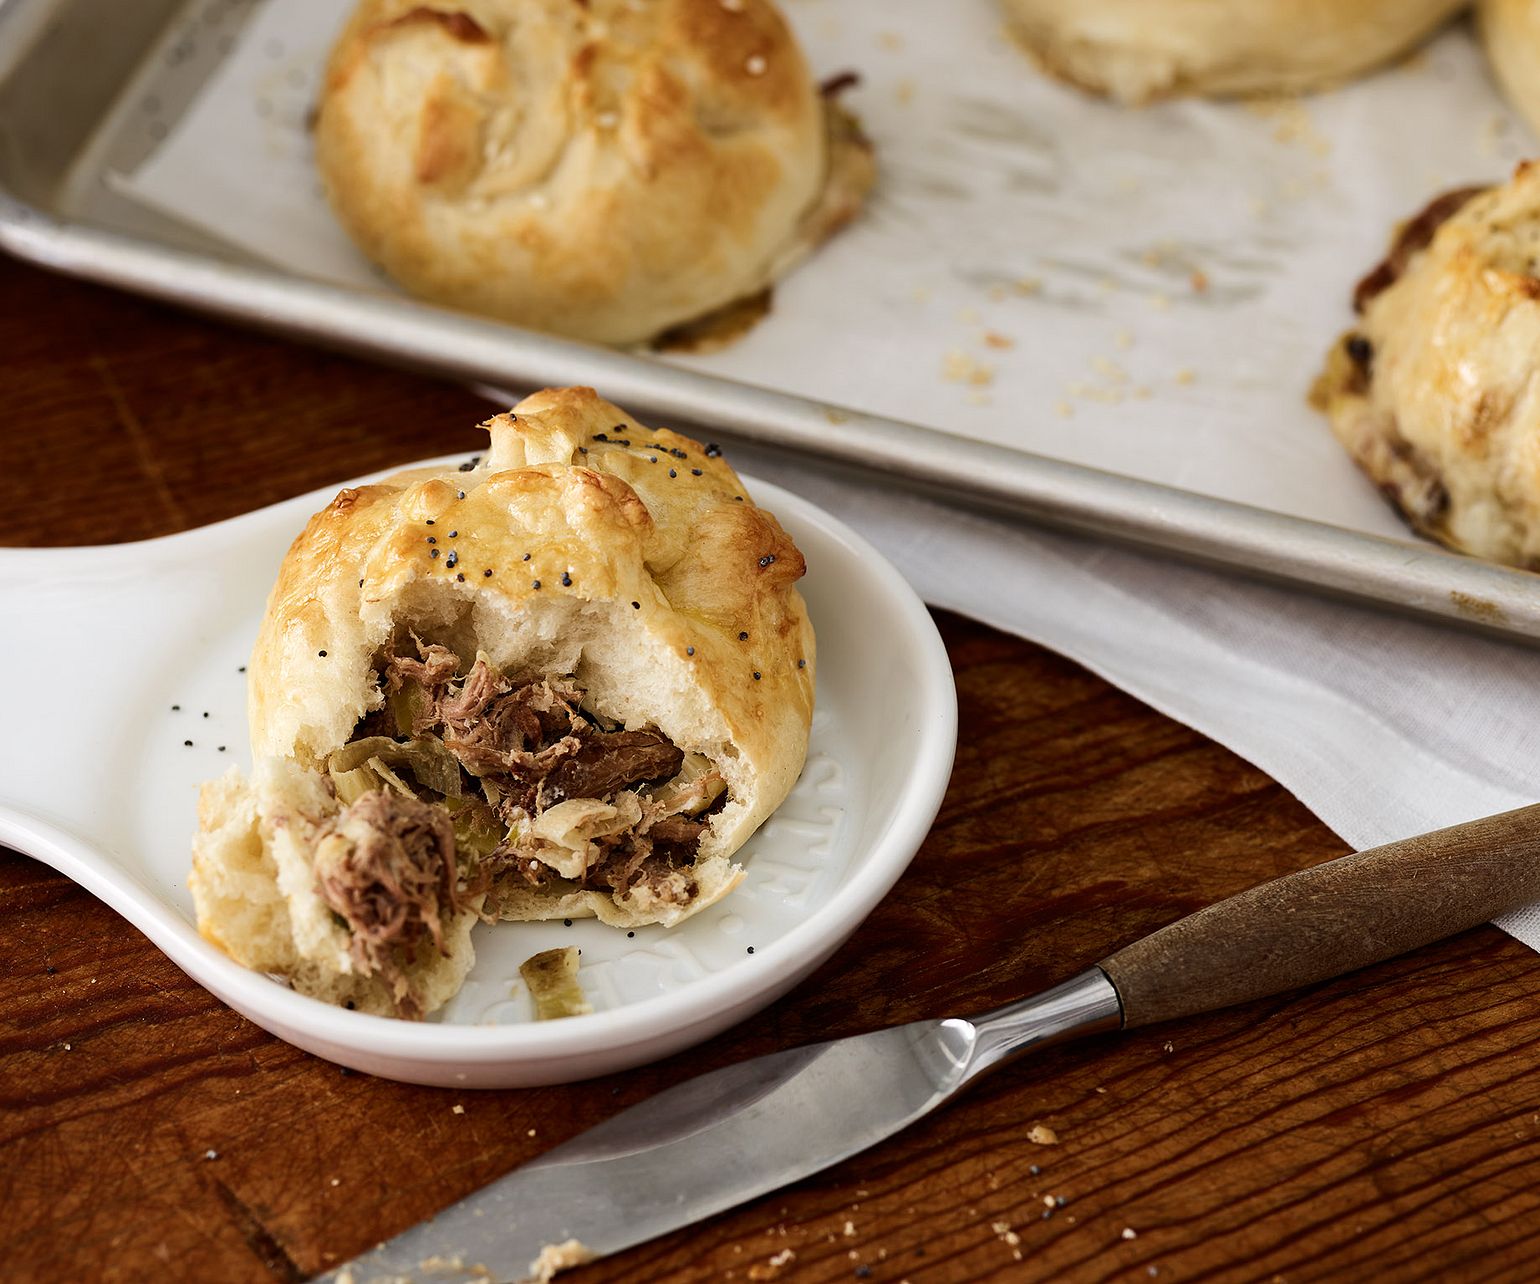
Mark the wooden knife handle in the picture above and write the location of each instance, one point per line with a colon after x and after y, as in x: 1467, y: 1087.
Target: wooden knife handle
x: 1332, y: 918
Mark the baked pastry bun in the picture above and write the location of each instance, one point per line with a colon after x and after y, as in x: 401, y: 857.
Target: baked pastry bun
x: 1432, y: 392
x: 1510, y: 33
x: 1134, y: 51
x: 571, y: 680
x: 605, y: 170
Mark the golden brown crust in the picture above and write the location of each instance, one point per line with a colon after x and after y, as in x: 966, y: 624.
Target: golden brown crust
x: 1432, y: 392
x: 1411, y: 238
x: 573, y: 489
x: 1136, y: 51
x: 604, y: 170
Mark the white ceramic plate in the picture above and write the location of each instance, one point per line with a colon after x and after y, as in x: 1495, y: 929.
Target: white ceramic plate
x: 115, y: 656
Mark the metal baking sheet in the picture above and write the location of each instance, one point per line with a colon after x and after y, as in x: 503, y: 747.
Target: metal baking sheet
x: 65, y: 133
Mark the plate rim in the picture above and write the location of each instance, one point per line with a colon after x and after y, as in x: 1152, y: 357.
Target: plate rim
x: 309, y: 1021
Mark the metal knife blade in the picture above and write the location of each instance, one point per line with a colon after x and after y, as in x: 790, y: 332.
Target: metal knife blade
x: 745, y: 1130
x: 720, y: 1139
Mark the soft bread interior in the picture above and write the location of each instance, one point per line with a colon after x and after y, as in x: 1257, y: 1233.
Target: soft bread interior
x: 253, y: 883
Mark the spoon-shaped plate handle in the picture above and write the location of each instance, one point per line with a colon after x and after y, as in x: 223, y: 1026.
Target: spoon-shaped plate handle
x: 1333, y: 918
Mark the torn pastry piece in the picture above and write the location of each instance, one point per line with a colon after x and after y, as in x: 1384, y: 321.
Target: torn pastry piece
x: 570, y: 680
x: 605, y: 170
x: 1433, y: 391
x: 1134, y: 51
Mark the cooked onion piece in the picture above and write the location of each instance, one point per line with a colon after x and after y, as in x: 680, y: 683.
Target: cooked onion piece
x: 551, y: 977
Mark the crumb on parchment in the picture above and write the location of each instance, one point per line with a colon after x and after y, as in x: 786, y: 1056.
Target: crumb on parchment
x: 959, y: 367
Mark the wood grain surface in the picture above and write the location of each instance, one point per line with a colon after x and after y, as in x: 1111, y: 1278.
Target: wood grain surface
x: 1382, y: 1126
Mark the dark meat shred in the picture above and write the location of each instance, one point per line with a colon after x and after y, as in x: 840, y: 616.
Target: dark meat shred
x: 535, y: 873
x: 608, y: 761
x: 434, y: 670
x: 678, y: 830
x: 533, y: 744
x: 395, y: 884
x: 458, y: 711
x: 650, y: 857
x: 655, y: 872
x: 622, y: 866
x: 494, y: 731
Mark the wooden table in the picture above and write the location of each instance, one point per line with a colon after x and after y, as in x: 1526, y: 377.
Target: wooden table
x: 1385, y: 1126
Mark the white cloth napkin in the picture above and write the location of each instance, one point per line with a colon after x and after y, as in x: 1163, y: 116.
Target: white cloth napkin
x: 1382, y: 726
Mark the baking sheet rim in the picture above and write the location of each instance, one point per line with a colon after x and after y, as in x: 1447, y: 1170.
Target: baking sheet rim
x: 1399, y: 574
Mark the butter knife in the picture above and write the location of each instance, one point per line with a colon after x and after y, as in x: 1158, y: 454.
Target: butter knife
x: 740, y: 1132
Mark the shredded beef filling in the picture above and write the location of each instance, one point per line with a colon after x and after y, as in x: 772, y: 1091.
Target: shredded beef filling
x: 458, y: 780
x: 526, y: 747
x: 608, y: 761
x: 436, y: 666
x: 394, y: 882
